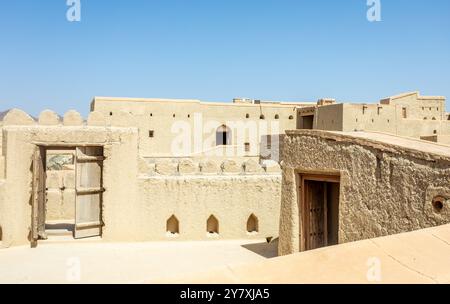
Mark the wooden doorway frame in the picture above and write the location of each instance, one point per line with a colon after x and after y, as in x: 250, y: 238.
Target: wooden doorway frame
x: 38, y: 200
x: 301, y: 195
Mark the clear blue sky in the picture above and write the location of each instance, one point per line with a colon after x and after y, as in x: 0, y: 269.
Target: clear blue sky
x: 219, y: 49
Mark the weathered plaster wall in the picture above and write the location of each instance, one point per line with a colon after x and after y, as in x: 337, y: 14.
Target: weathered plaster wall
x: 192, y: 192
x: 389, y: 119
x: 2, y: 158
x: 193, y: 199
x: 119, y: 175
x: 2, y: 183
x: 385, y: 189
x: 329, y: 117
x: 409, y: 114
x: 160, y: 116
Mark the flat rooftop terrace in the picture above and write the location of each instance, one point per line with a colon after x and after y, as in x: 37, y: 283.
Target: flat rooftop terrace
x: 418, y: 257
x: 381, y: 141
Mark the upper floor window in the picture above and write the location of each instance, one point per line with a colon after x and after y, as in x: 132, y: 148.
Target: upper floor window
x: 404, y: 113
x: 223, y: 136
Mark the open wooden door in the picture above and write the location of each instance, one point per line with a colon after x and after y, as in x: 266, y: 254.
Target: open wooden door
x: 89, y: 192
x: 38, y: 198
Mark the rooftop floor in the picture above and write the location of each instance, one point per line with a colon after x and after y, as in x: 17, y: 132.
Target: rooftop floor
x: 57, y: 261
x: 414, y: 257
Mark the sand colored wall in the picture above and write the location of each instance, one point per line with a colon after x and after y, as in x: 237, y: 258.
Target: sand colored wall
x: 140, y: 195
x: 158, y: 115
x: 329, y: 117
x: 193, y: 199
x: 2, y: 159
x: 120, y: 195
x: 425, y: 116
x: 385, y: 189
x: 389, y: 119
x: 192, y: 192
x: 419, y: 107
x: 2, y: 181
x: 2, y: 188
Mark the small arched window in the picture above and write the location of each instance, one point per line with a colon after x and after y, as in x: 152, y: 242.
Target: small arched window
x: 247, y: 115
x: 252, y: 224
x: 173, y: 225
x: 277, y: 116
x: 291, y: 117
x: 223, y: 136
x: 212, y: 225
x: 262, y: 117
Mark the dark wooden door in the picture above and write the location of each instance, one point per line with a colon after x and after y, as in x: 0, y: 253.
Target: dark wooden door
x: 315, y: 219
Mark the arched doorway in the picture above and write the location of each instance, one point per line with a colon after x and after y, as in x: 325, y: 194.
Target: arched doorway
x: 223, y: 136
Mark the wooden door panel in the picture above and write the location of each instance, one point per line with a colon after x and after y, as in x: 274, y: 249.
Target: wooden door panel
x: 89, y: 192
x: 315, y: 209
x: 89, y: 174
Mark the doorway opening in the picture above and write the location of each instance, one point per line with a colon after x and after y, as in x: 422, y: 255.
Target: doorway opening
x: 307, y: 122
x: 60, y: 192
x: 319, y: 197
x: 67, y: 193
x: 223, y: 136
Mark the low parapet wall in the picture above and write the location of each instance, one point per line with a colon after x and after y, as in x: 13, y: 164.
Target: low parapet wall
x: 208, y: 200
x: 209, y: 207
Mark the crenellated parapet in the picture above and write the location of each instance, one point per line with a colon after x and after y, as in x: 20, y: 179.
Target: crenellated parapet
x: 207, y: 167
x: 71, y: 118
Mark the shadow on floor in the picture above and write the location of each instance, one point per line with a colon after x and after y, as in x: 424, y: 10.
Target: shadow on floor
x: 267, y: 250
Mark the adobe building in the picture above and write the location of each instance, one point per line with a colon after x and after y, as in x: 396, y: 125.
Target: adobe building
x: 87, y: 177
x: 158, y: 121
x: 409, y: 114
x: 341, y: 187
x: 118, y: 175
